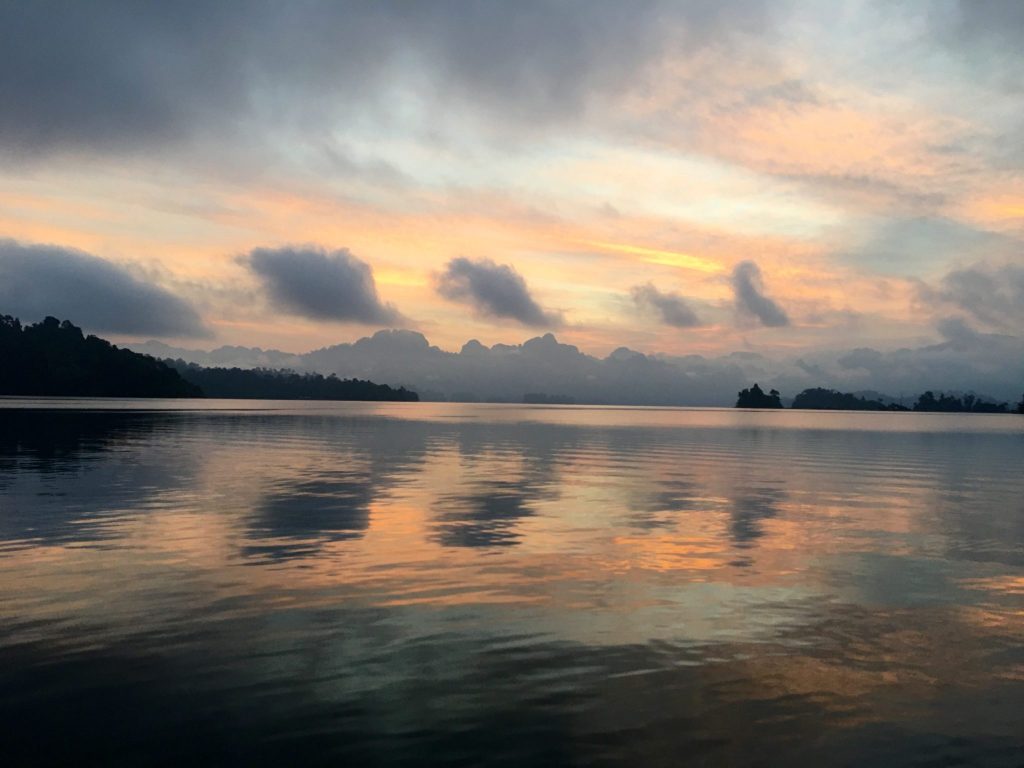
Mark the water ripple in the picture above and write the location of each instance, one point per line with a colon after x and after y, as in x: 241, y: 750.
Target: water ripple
x: 373, y: 583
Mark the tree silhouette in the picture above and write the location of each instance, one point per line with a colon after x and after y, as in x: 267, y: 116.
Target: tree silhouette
x: 822, y: 399
x: 756, y: 398
x: 56, y: 358
x: 265, y: 384
x: 943, y: 403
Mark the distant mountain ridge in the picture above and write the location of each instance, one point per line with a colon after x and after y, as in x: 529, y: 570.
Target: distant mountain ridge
x: 543, y: 366
x: 226, y: 356
x: 503, y: 372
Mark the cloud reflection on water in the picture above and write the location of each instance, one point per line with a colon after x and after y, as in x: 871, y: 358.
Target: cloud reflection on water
x: 594, y: 589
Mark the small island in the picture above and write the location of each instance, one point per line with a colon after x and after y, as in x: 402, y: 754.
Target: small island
x: 755, y: 397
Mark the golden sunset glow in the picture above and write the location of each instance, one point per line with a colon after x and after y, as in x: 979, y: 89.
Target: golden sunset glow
x: 665, y: 258
x: 876, y: 202
x: 556, y: 383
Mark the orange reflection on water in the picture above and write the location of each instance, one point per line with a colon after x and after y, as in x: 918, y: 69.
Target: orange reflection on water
x: 622, y: 524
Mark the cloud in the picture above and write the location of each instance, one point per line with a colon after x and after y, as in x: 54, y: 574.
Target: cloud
x: 909, y: 245
x: 322, y: 285
x: 984, y: 23
x: 494, y: 290
x: 671, y: 307
x: 957, y: 332
x: 41, y: 280
x: 748, y: 293
x: 100, y: 76
x: 993, y: 296
x: 861, y: 357
x: 874, y: 191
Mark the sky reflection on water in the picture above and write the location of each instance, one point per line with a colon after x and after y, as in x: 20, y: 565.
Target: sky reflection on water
x: 478, y: 584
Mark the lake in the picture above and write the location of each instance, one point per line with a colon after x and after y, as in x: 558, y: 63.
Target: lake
x: 215, y: 582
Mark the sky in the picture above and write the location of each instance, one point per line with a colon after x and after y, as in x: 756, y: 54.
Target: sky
x: 787, y: 178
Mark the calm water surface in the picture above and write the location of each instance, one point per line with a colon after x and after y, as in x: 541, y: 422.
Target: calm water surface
x: 378, y: 584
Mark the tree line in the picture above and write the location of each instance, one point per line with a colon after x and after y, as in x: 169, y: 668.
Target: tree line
x: 266, y: 384
x: 54, y: 358
x: 819, y: 398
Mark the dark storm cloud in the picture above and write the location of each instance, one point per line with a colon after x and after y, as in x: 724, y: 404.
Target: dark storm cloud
x: 748, y: 292
x: 671, y: 307
x: 41, y: 280
x: 321, y: 285
x: 495, y: 290
x: 109, y: 75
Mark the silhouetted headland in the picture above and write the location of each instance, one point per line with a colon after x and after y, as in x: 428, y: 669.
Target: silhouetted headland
x: 54, y: 358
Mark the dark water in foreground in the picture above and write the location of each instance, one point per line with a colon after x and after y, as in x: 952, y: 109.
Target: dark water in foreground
x: 370, y: 584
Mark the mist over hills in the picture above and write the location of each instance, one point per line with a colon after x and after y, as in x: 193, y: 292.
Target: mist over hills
x: 989, y: 364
